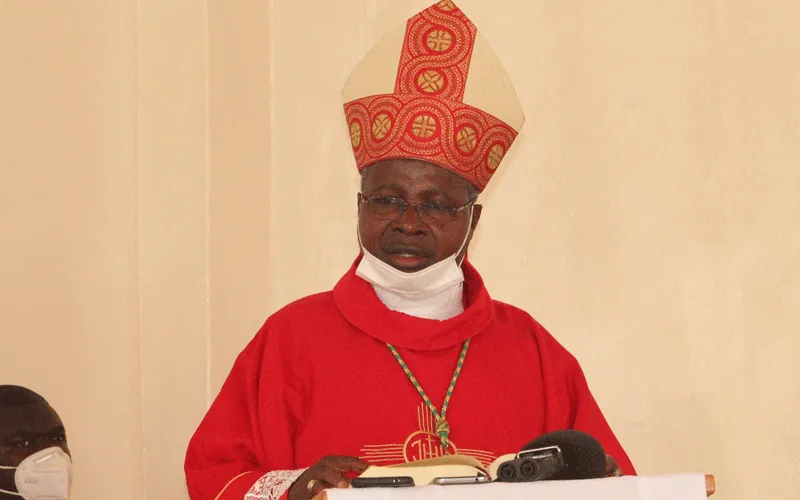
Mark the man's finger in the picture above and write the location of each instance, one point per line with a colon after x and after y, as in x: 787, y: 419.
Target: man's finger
x: 346, y: 464
x: 612, y: 468
x: 315, y: 487
x: 334, y: 478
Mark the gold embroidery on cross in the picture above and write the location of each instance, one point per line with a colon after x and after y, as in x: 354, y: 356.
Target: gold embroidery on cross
x: 381, y: 126
x: 424, y: 126
x: 466, y: 139
x: 495, y: 156
x: 355, y: 134
x: 446, y: 5
x: 439, y: 40
x: 431, y: 81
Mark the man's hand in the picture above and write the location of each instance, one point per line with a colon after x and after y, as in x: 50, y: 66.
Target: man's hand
x: 327, y: 473
x: 612, y: 467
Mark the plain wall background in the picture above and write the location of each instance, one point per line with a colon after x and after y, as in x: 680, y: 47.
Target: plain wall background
x: 173, y: 172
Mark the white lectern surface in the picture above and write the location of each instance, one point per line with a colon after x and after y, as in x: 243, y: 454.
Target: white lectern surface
x: 667, y: 487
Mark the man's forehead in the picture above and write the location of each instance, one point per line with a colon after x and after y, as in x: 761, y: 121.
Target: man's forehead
x: 410, y: 170
x: 30, y: 418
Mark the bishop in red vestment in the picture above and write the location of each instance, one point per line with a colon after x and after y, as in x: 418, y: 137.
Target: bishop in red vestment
x: 408, y: 357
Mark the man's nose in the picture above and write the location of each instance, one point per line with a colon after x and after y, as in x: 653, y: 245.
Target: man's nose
x: 409, y: 221
x: 41, y: 444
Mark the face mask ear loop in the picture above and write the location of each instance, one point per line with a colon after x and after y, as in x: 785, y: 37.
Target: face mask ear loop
x: 7, y: 467
x: 358, y: 232
x: 360, y: 243
x: 466, y: 238
x: 6, y: 491
x: 358, y: 224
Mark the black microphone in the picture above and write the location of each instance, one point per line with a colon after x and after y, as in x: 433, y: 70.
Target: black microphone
x: 567, y: 454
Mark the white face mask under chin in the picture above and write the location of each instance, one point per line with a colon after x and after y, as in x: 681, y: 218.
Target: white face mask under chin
x: 45, y: 475
x: 428, y: 293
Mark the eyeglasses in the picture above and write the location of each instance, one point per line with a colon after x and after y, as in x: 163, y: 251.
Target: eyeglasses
x: 390, y: 208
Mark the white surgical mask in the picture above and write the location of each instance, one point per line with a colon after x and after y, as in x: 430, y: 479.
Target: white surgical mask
x: 45, y: 475
x: 419, y: 286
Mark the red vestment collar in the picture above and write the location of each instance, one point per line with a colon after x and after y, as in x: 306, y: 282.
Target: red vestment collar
x: 361, y: 307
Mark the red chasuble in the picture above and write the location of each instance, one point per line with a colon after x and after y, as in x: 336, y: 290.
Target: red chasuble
x: 318, y: 379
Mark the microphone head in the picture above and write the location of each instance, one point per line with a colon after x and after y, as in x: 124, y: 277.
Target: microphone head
x: 584, y: 457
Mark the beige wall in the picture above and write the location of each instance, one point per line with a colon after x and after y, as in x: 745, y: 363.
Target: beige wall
x: 173, y: 172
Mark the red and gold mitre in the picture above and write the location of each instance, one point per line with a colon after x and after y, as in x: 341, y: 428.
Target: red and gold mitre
x: 433, y: 90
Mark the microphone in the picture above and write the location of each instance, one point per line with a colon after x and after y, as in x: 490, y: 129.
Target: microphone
x: 567, y: 454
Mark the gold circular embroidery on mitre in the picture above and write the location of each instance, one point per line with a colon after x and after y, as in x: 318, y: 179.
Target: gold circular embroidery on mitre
x: 355, y: 134
x: 439, y: 40
x: 466, y: 139
x: 424, y: 126
x: 446, y: 5
x: 381, y: 126
x: 430, y: 81
x: 495, y: 156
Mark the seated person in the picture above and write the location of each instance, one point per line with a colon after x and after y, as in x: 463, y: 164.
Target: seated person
x: 34, y: 458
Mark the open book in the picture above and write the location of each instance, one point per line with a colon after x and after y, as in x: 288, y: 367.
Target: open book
x: 423, y: 472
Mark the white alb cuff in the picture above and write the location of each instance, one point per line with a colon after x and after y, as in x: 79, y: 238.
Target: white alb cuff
x: 273, y: 484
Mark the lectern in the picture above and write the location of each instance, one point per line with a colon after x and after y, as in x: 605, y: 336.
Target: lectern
x: 665, y: 487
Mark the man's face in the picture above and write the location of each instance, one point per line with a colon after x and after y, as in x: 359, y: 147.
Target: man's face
x: 24, y: 430
x: 410, y: 242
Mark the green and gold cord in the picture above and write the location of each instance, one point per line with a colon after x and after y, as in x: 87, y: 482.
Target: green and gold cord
x: 442, y: 427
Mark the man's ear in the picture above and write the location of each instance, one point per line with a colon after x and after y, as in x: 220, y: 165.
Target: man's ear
x: 358, y: 203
